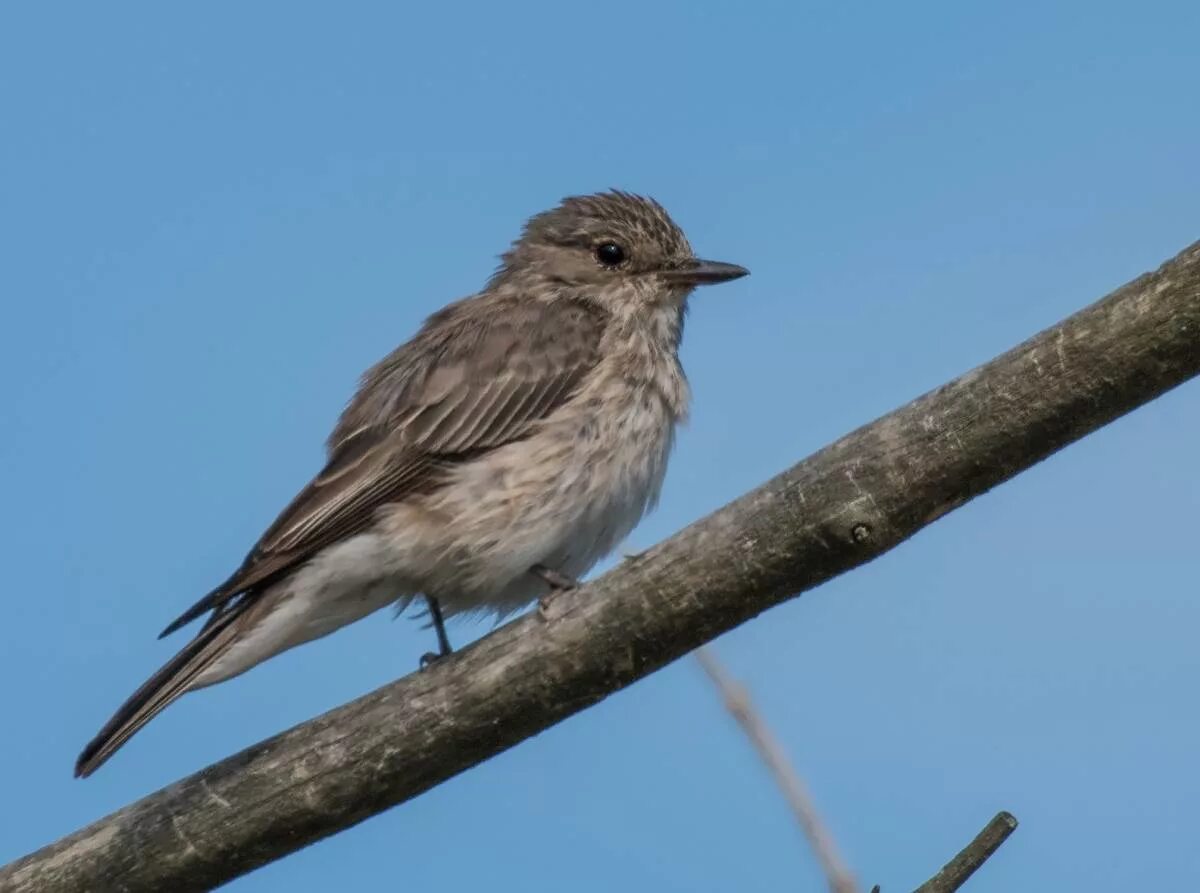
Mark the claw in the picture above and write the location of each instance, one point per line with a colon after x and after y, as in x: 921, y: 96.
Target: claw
x: 558, y: 583
x: 553, y: 578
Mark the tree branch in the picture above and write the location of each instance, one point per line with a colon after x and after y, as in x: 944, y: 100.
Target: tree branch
x: 839, y: 877
x: 838, y: 509
x: 974, y: 854
x: 795, y: 792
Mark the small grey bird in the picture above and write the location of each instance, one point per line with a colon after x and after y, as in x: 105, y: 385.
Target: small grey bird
x: 494, y: 458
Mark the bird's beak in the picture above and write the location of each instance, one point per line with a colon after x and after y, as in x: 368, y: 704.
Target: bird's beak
x: 703, y: 272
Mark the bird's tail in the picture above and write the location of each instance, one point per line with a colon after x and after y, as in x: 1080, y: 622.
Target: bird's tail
x: 171, y: 681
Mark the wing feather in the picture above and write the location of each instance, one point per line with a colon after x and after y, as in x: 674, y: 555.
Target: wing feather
x: 480, y: 374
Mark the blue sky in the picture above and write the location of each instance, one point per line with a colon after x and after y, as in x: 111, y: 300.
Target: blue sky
x: 215, y: 216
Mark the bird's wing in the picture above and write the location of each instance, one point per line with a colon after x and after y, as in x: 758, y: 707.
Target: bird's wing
x: 469, y: 382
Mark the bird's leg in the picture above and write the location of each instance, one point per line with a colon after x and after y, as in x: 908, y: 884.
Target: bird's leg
x: 439, y: 627
x: 557, y: 581
x: 553, y: 578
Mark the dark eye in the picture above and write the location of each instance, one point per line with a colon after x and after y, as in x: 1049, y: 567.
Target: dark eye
x: 610, y: 254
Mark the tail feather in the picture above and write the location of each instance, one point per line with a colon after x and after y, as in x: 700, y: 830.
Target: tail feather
x: 172, y: 680
x: 210, y: 601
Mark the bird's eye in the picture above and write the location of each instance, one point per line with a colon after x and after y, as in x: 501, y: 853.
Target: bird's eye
x: 610, y: 254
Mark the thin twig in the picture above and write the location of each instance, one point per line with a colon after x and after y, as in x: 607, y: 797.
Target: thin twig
x: 952, y: 876
x: 974, y: 854
x: 737, y: 702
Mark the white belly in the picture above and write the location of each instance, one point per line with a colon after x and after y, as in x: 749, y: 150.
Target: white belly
x: 564, y: 498
x: 341, y: 584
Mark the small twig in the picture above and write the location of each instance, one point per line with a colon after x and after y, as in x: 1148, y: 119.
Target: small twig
x: 737, y: 702
x: 974, y: 854
x: 952, y: 876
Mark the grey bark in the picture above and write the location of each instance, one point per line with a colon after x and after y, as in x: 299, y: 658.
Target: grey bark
x: 958, y: 870
x: 835, y: 510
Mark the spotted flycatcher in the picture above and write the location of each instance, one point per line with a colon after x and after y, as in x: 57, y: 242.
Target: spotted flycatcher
x: 495, y: 457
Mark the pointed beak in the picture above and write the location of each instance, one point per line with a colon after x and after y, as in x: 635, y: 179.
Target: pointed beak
x: 703, y: 272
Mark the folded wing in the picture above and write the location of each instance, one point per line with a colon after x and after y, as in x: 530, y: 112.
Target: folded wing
x: 476, y: 377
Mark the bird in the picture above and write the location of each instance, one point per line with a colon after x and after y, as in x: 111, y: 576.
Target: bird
x: 485, y: 464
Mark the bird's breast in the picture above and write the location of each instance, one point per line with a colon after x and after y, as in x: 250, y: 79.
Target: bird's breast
x: 565, y: 496
x: 612, y: 445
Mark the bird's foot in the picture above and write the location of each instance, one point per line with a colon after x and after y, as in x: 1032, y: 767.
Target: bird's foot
x: 429, y: 658
x: 554, y: 579
x: 558, y: 582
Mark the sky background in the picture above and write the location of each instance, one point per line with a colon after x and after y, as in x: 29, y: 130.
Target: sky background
x: 214, y: 216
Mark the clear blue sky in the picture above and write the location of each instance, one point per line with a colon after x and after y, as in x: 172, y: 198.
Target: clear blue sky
x: 214, y: 216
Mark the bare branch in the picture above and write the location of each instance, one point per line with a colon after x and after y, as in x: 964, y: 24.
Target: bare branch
x: 737, y: 702
x: 838, y: 509
x: 974, y: 854
x: 952, y: 876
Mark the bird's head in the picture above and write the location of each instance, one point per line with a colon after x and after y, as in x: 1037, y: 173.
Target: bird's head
x: 619, y: 250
